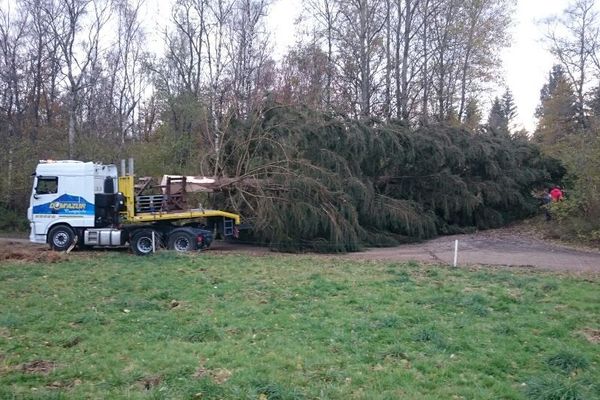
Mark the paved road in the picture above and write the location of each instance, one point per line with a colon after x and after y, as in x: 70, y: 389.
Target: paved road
x: 496, y: 247
x: 501, y: 247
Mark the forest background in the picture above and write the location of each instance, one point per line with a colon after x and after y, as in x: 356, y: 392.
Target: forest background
x: 369, y: 131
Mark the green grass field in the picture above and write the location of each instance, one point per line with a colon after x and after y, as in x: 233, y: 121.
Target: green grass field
x: 112, y: 325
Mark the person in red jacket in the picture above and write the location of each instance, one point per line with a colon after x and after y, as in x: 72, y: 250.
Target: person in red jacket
x: 557, y: 194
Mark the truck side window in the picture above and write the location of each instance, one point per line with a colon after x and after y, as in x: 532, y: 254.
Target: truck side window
x: 46, y: 185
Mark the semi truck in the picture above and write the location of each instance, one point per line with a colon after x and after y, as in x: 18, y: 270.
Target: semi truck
x: 89, y: 204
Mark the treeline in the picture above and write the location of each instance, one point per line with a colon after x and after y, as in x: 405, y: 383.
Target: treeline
x: 569, y: 118
x: 77, y: 77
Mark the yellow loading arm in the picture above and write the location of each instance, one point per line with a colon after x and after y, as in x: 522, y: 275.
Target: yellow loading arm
x: 126, y: 186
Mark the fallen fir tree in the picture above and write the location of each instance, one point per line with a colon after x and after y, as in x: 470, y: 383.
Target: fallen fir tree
x: 308, y: 180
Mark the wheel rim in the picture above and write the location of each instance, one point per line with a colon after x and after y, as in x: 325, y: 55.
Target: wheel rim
x: 182, y: 243
x: 144, y: 245
x: 60, y: 239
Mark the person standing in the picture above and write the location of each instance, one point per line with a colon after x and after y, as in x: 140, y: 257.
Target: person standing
x: 546, y: 200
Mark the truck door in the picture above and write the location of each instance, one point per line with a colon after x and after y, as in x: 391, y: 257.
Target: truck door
x: 45, y: 191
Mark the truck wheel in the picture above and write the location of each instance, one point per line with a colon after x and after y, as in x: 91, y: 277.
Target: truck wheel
x: 182, y: 241
x: 141, y: 242
x: 61, y: 237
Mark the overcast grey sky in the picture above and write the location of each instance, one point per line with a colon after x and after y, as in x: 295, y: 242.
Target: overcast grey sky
x: 527, y: 62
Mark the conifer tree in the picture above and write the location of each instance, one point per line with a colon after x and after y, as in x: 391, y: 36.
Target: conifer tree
x: 320, y: 188
x: 557, y: 112
x: 497, y: 120
x: 509, y: 108
x: 472, y: 119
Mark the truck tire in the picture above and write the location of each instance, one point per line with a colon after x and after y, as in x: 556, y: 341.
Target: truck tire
x: 61, y: 237
x: 182, y: 241
x: 141, y: 242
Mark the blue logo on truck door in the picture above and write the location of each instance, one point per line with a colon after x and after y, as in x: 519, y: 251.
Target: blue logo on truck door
x: 66, y: 205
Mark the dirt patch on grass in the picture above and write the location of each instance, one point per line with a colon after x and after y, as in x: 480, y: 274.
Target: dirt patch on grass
x: 218, y: 376
x: 63, y: 384
x: 18, y: 251
x: 150, y: 382
x: 4, y: 368
x: 592, y: 335
x: 38, y: 367
x: 71, y: 342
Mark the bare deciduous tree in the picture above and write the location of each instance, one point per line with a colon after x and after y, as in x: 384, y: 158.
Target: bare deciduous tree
x: 127, y: 76
x: 326, y: 14
x: 12, y: 106
x: 574, y: 39
x: 78, y: 40
x: 247, y: 50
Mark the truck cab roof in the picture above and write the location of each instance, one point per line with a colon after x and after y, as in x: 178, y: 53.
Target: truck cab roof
x: 72, y: 168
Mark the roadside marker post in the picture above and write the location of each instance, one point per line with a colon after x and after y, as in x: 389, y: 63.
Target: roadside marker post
x: 455, y: 252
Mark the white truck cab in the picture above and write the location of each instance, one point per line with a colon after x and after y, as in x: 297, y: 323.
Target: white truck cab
x: 64, y: 192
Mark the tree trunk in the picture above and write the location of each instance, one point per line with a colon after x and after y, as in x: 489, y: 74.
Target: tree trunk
x: 408, y: 11
x: 9, y: 171
x: 465, y: 67
x: 425, y: 100
x: 329, y: 58
x: 388, y: 64
x: 72, y: 120
x: 397, y: 67
x: 37, y: 90
x: 365, y: 97
x: 582, y: 66
x: 463, y: 84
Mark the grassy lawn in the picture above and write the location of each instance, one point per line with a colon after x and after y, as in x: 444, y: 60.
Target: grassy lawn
x: 112, y: 325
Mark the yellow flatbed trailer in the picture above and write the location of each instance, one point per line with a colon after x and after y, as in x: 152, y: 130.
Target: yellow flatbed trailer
x: 188, y: 214
x: 126, y: 186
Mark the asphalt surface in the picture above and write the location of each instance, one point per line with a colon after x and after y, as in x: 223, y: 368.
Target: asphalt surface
x: 500, y: 247
x: 496, y: 248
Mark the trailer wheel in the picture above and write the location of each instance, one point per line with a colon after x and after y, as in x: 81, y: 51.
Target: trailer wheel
x: 182, y: 241
x: 61, y: 237
x: 141, y: 242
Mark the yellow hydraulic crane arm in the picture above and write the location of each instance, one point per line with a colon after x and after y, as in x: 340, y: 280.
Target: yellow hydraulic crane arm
x: 126, y: 186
